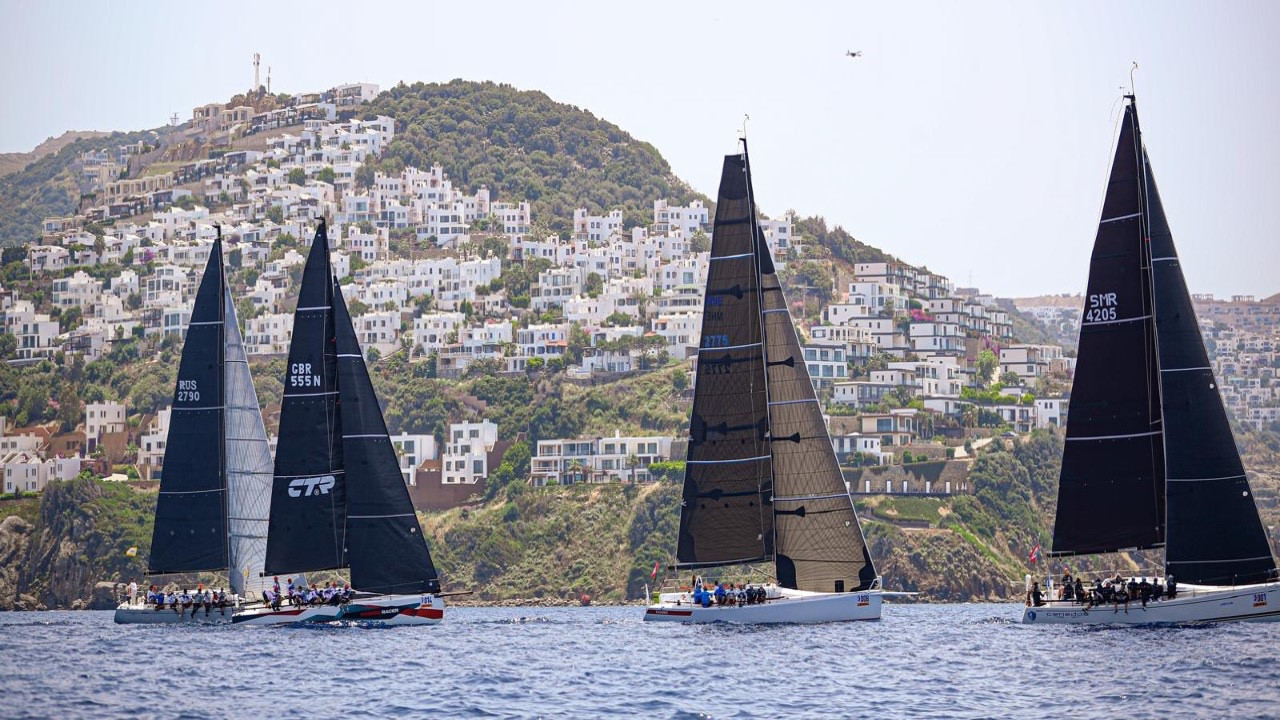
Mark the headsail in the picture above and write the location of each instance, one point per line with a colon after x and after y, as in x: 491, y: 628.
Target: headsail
x: 820, y: 546
x: 1215, y: 534
x: 308, y: 495
x: 1111, y: 488
x: 248, y: 465
x: 725, y: 516
x: 191, y: 511
x: 386, y: 550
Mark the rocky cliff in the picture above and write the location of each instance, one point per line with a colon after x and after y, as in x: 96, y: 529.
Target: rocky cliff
x: 79, y: 540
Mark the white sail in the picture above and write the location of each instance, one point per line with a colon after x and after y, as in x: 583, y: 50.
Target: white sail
x: 249, y: 467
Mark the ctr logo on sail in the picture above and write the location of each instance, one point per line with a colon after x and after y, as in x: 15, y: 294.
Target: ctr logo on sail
x: 306, y: 487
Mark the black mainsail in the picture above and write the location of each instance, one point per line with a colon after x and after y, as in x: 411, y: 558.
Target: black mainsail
x: 761, y: 480
x: 726, y: 516
x: 1198, y: 492
x: 190, y: 533
x: 308, y: 497
x: 385, y: 548
x: 1111, y: 490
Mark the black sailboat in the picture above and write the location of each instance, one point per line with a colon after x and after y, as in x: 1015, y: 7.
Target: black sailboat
x: 762, y: 483
x: 1149, y: 459
x: 338, y: 498
x: 211, y: 511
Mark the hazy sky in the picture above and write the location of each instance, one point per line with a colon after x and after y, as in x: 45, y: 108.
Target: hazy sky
x: 970, y: 137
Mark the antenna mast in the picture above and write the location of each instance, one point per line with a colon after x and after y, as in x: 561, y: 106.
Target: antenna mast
x: 256, y: 59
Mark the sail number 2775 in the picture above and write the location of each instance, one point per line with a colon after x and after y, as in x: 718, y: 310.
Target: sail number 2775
x: 1102, y: 307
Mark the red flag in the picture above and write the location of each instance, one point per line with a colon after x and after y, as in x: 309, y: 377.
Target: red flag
x: 654, y: 575
x: 1035, y: 553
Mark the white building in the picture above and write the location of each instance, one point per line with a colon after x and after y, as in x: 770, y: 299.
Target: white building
x: 466, y: 456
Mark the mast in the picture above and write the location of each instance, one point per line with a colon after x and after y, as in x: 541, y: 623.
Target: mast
x: 761, y: 258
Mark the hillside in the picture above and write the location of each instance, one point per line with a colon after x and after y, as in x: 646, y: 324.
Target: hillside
x: 525, y: 146
x: 16, y: 161
x: 49, y: 187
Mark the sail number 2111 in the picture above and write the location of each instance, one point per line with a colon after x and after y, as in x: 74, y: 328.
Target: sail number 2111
x: 1102, y: 306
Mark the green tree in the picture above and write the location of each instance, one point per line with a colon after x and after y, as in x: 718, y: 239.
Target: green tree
x: 1010, y: 378
x: 275, y: 214
x: 985, y: 367
x: 326, y: 174
x: 298, y: 176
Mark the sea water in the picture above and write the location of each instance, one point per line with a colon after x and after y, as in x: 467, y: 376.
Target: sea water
x: 919, y: 661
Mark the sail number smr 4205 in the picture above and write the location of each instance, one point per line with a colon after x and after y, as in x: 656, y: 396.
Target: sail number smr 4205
x: 1102, y: 307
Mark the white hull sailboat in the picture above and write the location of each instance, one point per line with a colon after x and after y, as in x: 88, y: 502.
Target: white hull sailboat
x: 338, y: 499
x: 782, y: 605
x: 1150, y: 461
x: 386, y: 609
x: 211, y: 512
x: 1193, y: 604
x: 762, y: 483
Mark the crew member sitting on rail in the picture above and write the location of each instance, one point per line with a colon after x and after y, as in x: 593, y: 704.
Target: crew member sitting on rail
x: 1170, y: 588
x: 1037, y: 597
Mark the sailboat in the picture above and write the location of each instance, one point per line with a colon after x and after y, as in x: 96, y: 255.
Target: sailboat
x: 762, y: 483
x: 211, y: 513
x: 338, y: 499
x: 1149, y: 459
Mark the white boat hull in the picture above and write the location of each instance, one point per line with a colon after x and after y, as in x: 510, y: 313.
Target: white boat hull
x: 382, y: 610
x: 140, y: 614
x: 1194, y: 604
x: 788, y: 606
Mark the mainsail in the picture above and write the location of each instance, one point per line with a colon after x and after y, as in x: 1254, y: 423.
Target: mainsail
x: 385, y: 548
x: 725, y: 516
x: 1111, y: 490
x: 761, y: 480
x: 308, y: 497
x: 190, y: 533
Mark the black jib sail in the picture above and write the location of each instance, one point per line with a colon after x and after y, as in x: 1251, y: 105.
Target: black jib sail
x: 1215, y: 534
x: 725, y: 516
x: 385, y: 547
x: 820, y: 546
x: 308, y: 496
x: 191, y: 511
x: 1111, y: 489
